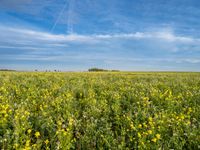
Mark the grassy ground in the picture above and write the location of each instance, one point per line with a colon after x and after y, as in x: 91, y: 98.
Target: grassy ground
x: 99, y: 110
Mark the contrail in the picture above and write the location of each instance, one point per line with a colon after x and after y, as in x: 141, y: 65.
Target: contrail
x: 61, y: 12
x: 70, y: 19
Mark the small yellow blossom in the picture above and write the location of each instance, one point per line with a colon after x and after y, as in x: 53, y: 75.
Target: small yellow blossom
x: 46, y: 141
x: 149, y: 131
x: 188, y: 122
x: 16, y: 145
x: 139, y: 126
x: 29, y: 131
x: 146, y: 98
x: 71, y: 120
x: 57, y: 132
x: 154, y: 140
x: 37, y: 134
x: 139, y: 135
x: 34, y: 145
x: 182, y: 116
x: 132, y: 126
x: 28, y: 143
x: 150, y: 119
x: 59, y: 123
x: 65, y: 133
x: 158, y: 136
x: 189, y: 109
x: 145, y: 133
x: 144, y: 124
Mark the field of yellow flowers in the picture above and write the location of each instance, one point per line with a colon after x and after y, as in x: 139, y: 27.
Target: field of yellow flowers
x: 121, y: 110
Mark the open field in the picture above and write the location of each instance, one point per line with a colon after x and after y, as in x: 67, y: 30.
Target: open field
x: 99, y: 110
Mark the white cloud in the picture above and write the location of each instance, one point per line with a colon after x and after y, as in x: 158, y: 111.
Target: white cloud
x: 189, y: 60
x: 169, y: 36
x: 163, y: 35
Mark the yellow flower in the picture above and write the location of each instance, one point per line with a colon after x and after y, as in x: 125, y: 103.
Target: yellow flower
x: 149, y: 131
x: 46, y: 141
x: 34, y: 145
x: 158, y: 136
x: 139, y: 135
x: 142, y: 143
x: 182, y: 116
x: 144, y: 124
x: 188, y: 122
x: 59, y: 123
x: 150, y: 119
x: 57, y: 132
x: 132, y: 126
x: 16, y: 146
x: 69, y: 95
x: 154, y: 140
x: 37, y: 134
x: 128, y: 118
x: 145, y: 98
x: 27, y: 148
x: 189, y: 109
x: 145, y: 133
x: 65, y: 133
x: 29, y: 131
x: 139, y: 126
x: 28, y: 143
x: 71, y: 120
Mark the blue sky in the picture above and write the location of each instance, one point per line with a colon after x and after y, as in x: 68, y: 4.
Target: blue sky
x: 74, y: 35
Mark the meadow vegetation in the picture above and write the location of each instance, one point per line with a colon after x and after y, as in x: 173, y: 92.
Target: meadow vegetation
x: 99, y: 110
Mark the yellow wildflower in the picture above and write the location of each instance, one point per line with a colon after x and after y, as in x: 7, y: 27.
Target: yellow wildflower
x: 46, y: 141
x: 71, y: 120
x: 65, y: 133
x: 154, y: 140
x: 28, y: 143
x: 158, y: 136
x: 145, y: 98
x: 189, y: 109
x: 142, y: 143
x: 144, y: 124
x: 182, y: 116
x: 34, y: 145
x: 149, y: 131
x: 139, y: 135
x: 132, y: 126
x: 59, y: 123
x: 16, y: 145
x: 29, y: 131
x: 150, y: 119
x: 37, y: 134
x: 139, y: 126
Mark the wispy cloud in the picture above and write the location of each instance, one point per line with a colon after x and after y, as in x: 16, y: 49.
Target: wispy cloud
x: 167, y: 36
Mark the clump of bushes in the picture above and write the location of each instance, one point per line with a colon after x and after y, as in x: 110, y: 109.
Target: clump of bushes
x: 101, y: 70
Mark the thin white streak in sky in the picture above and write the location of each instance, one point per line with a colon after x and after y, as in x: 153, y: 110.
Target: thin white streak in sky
x: 61, y: 12
x: 70, y: 15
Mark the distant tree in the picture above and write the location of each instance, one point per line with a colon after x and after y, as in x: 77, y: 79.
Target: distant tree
x: 95, y: 69
x: 7, y: 70
x: 101, y: 70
